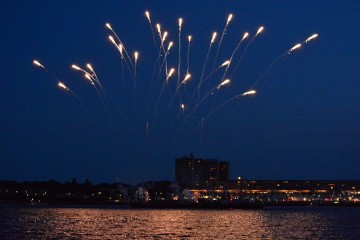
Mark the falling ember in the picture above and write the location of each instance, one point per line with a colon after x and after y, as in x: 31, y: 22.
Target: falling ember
x: 229, y: 18
x: 311, y: 38
x: 87, y: 76
x: 89, y: 67
x: 213, y: 37
x: 148, y: 15
x: 251, y: 92
x: 187, y: 77
x: 245, y: 35
x: 171, y: 72
x: 182, y: 107
x: 226, y: 63
x: 136, y: 56
x: 225, y: 82
x: 120, y: 47
x: 295, y: 47
x: 108, y: 26
x: 62, y: 85
x: 259, y: 30
x: 75, y: 67
x: 112, y: 40
x: 158, y: 27
x: 164, y: 37
x: 180, y: 22
x: 37, y: 63
x: 170, y: 45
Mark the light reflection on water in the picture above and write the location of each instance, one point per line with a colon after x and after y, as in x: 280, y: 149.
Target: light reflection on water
x: 111, y: 223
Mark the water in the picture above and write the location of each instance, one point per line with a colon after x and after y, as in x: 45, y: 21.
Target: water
x: 24, y: 222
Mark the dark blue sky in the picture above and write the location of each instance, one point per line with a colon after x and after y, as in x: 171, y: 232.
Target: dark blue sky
x: 303, y: 123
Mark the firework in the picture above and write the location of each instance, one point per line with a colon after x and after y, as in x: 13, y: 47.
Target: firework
x: 179, y: 53
x: 222, y: 36
x: 63, y: 86
x: 311, y: 37
x: 251, y: 92
x: 37, y: 63
x: 294, y: 48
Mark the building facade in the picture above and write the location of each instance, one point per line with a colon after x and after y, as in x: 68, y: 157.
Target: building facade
x: 190, y: 170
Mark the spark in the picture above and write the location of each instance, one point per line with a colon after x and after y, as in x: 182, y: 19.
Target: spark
x: 245, y: 36
x: 179, y: 52
x: 89, y: 67
x: 182, y: 107
x: 87, y: 76
x: 251, y: 92
x: 63, y: 86
x: 259, y: 31
x: 180, y: 22
x: 169, y: 46
x: 206, y: 60
x: 164, y: 37
x: 108, y: 26
x: 112, y: 40
x: 226, y: 63
x: 148, y: 16
x: 221, y: 38
x: 78, y: 68
x: 37, y: 63
x: 311, y: 38
x: 294, y: 47
x: 188, y: 53
x: 213, y: 38
x: 136, y: 56
x: 223, y: 83
x: 171, y: 72
x: 187, y: 77
x: 229, y: 19
x: 158, y: 27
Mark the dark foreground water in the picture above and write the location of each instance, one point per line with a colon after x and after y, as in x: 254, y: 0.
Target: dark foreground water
x: 24, y: 222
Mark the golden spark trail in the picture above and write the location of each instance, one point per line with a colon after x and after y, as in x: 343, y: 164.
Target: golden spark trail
x: 206, y: 59
x: 188, y: 54
x: 165, y: 59
x: 222, y: 37
x: 250, y: 92
x: 186, y: 79
x: 171, y: 72
x: 226, y: 63
x: 120, y: 48
x: 283, y: 55
x: 179, y: 55
x: 217, y: 88
x: 37, y: 63
x: 123, y: 46
x: 232, y: 55
x: 62, y: 86
x: 147, y: 14
x: 260, y: 30
x: 92, y: 79
x: 311, y: 37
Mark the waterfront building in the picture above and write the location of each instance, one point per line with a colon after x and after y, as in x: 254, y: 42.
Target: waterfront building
x: 190, y: 170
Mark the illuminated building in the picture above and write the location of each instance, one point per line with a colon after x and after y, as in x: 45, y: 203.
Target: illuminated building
x: 190, y: 171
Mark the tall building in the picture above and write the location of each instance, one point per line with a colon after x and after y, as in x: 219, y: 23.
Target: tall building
x: 190, y: 170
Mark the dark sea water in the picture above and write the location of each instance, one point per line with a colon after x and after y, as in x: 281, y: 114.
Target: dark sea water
x: 28, y: 222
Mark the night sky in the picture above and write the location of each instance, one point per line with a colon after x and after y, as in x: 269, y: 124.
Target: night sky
x: 303, y: 122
